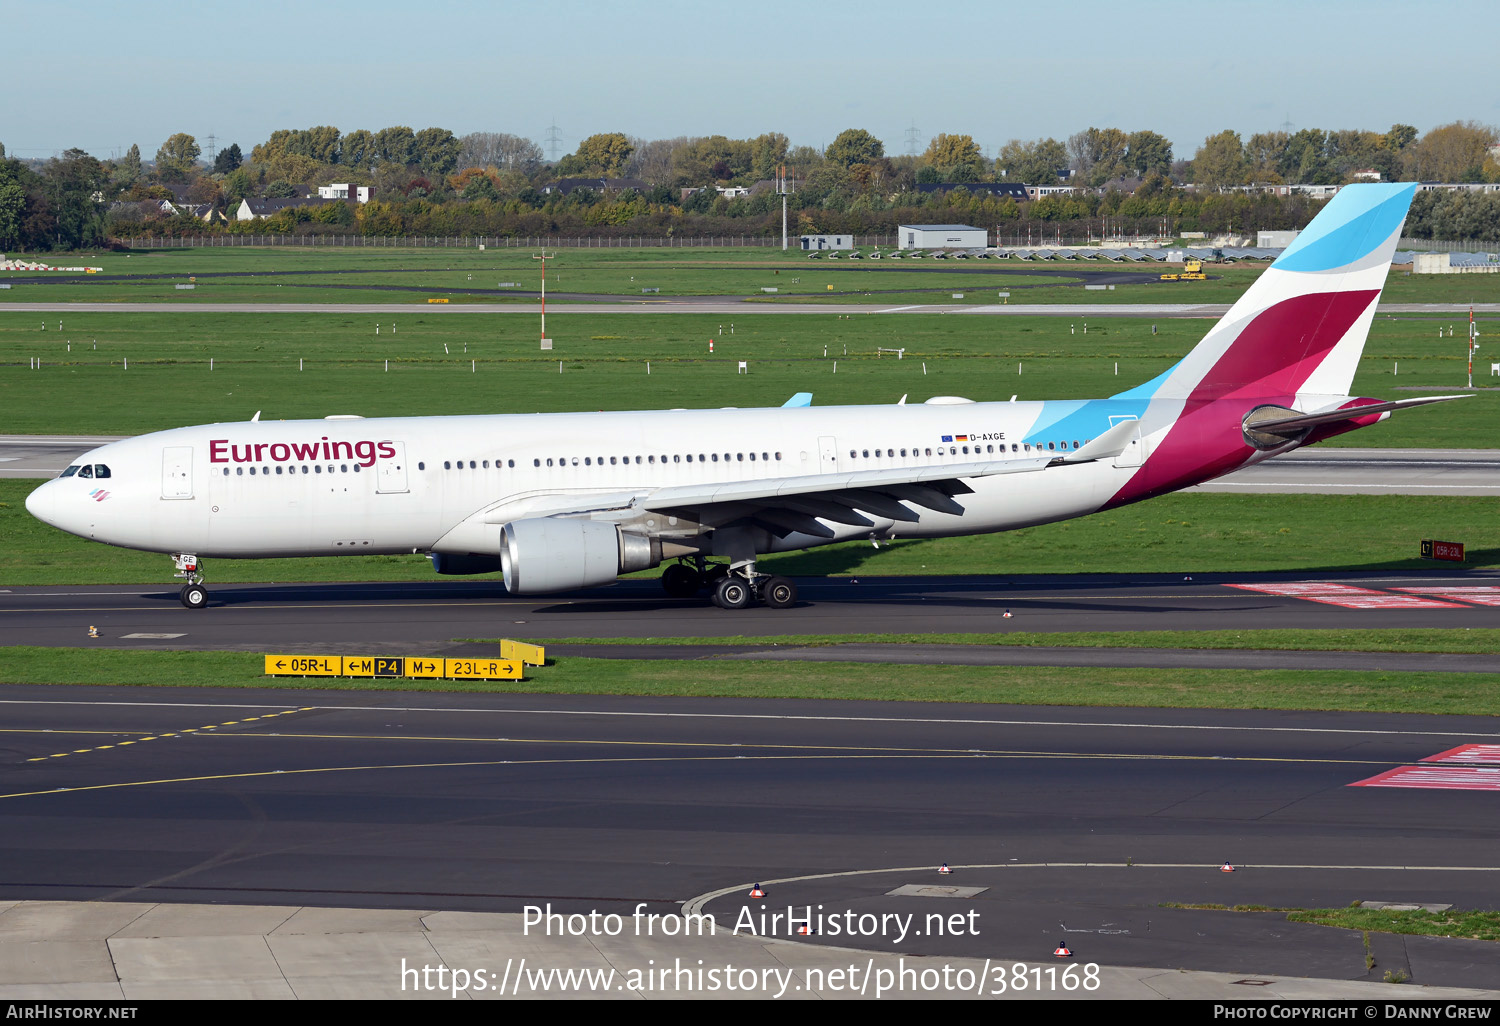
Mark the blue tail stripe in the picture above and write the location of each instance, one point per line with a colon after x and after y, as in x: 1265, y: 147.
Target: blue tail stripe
x: 1349, y: 228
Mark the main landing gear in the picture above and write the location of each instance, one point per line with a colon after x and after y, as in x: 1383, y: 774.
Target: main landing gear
x: 729, y: 588
x: 194, y: 595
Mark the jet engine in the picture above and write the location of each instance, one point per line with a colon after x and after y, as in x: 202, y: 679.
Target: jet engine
x: 547, y: 554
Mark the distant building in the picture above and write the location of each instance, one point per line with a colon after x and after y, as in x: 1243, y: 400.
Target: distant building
x: 256, y: 208
x: 340, y: 191
x: 999, y: 190
x: 941, y: 236
x: 817, y: 242
x: 1038, y: 191
x: 1458, y: 187
x: 1274, y: 240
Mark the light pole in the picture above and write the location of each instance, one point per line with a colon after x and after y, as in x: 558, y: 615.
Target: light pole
x: 542, y: 256
x: 1472, y: 344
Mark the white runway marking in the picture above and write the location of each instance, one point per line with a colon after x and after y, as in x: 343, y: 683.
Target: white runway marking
x: 469, y: 711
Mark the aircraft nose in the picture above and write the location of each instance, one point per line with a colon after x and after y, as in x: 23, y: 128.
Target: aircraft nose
x: 41, y: 503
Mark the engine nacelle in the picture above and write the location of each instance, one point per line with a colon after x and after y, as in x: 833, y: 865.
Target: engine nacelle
x: 545, y: 554
x: 467, y: 563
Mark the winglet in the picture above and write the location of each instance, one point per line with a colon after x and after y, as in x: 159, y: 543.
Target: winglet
x: 800, y: 399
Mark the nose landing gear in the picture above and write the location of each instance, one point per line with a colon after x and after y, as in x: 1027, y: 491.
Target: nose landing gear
x: 194, y: 595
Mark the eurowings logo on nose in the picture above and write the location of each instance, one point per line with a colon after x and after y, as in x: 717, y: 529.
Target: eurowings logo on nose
x: 99, y: 494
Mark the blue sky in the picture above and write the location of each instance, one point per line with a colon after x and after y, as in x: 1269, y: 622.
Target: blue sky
x: 104, y: 75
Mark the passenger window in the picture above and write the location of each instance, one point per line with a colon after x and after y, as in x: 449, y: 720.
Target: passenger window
x: 304, y: 468
x: 690, y: 457
x: 587, y: 461
x: 511, y: 464
x: 318, y: 468
x: 226, y: 472
x: 421, y: 465
x: 278, y: 471
x: 752, y: 457
x: 447, y: 464
x: 252, y: 471
x: 239, y: 471
x: 678, y: 459
x: 778, y: 455
x: 611, y: 461
x: 716, y: 457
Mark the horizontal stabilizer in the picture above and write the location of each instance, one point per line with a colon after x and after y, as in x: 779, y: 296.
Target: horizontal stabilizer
x: 1301, y: 422
x: 1107, y: 446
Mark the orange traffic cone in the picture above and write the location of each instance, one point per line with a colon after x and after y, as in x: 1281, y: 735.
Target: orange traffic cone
x: 756, y: 892
x: 943, y: 869
x: 805, y: 930
x: 1226, y: 868
x: 1005, y: 615
x: 1062, y: 951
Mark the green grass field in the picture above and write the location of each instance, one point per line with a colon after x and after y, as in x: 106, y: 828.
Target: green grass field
x: 341, y: 274
x: 126, y: 373
x: 1436, y: 693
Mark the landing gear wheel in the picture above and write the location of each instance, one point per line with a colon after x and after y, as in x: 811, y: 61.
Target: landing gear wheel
x: 713, y: 574
x: 778, y: 593
x: 681, y: 581
x: 733, y: 593
x: 194, y: 596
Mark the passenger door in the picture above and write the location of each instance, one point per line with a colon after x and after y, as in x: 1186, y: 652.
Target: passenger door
x: 390, y: 472
x: 177, y: 472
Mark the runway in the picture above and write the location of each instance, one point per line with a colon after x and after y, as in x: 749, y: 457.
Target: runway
x: 1076, y: 824
x: 428, y: 618
x: 718, y: 305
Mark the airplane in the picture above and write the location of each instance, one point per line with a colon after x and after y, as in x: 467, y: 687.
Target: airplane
x: 558, y: 502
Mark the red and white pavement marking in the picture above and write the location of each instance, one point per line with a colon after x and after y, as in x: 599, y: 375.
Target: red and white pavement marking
x: 1479, y: 595
x: 1346, y: 595
x: 1475, y: 753
x: 1439, y: 778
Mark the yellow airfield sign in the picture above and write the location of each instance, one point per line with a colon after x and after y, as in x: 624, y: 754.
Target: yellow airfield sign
x: 421, y: 667
x: 484, y: 669
x: 304, y: 666
x: 531, y: 655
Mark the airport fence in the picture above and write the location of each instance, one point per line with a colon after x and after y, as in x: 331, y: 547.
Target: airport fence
x: 326, y: 241
x: 1448, y: 246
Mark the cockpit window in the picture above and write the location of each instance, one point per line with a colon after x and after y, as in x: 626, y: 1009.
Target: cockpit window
x: 69, y: 472
x: 86, y: 471
x: 101, y: 470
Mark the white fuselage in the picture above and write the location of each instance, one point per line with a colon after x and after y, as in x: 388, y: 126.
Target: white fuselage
x: 444, y: 484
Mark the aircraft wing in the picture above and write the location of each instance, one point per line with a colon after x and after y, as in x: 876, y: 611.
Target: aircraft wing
x: 797, y: 503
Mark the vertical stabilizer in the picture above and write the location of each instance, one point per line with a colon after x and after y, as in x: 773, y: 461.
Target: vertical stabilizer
x: 1300, y: 329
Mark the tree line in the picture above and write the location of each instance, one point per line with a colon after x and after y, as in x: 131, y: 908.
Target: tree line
x: 431, y: 182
